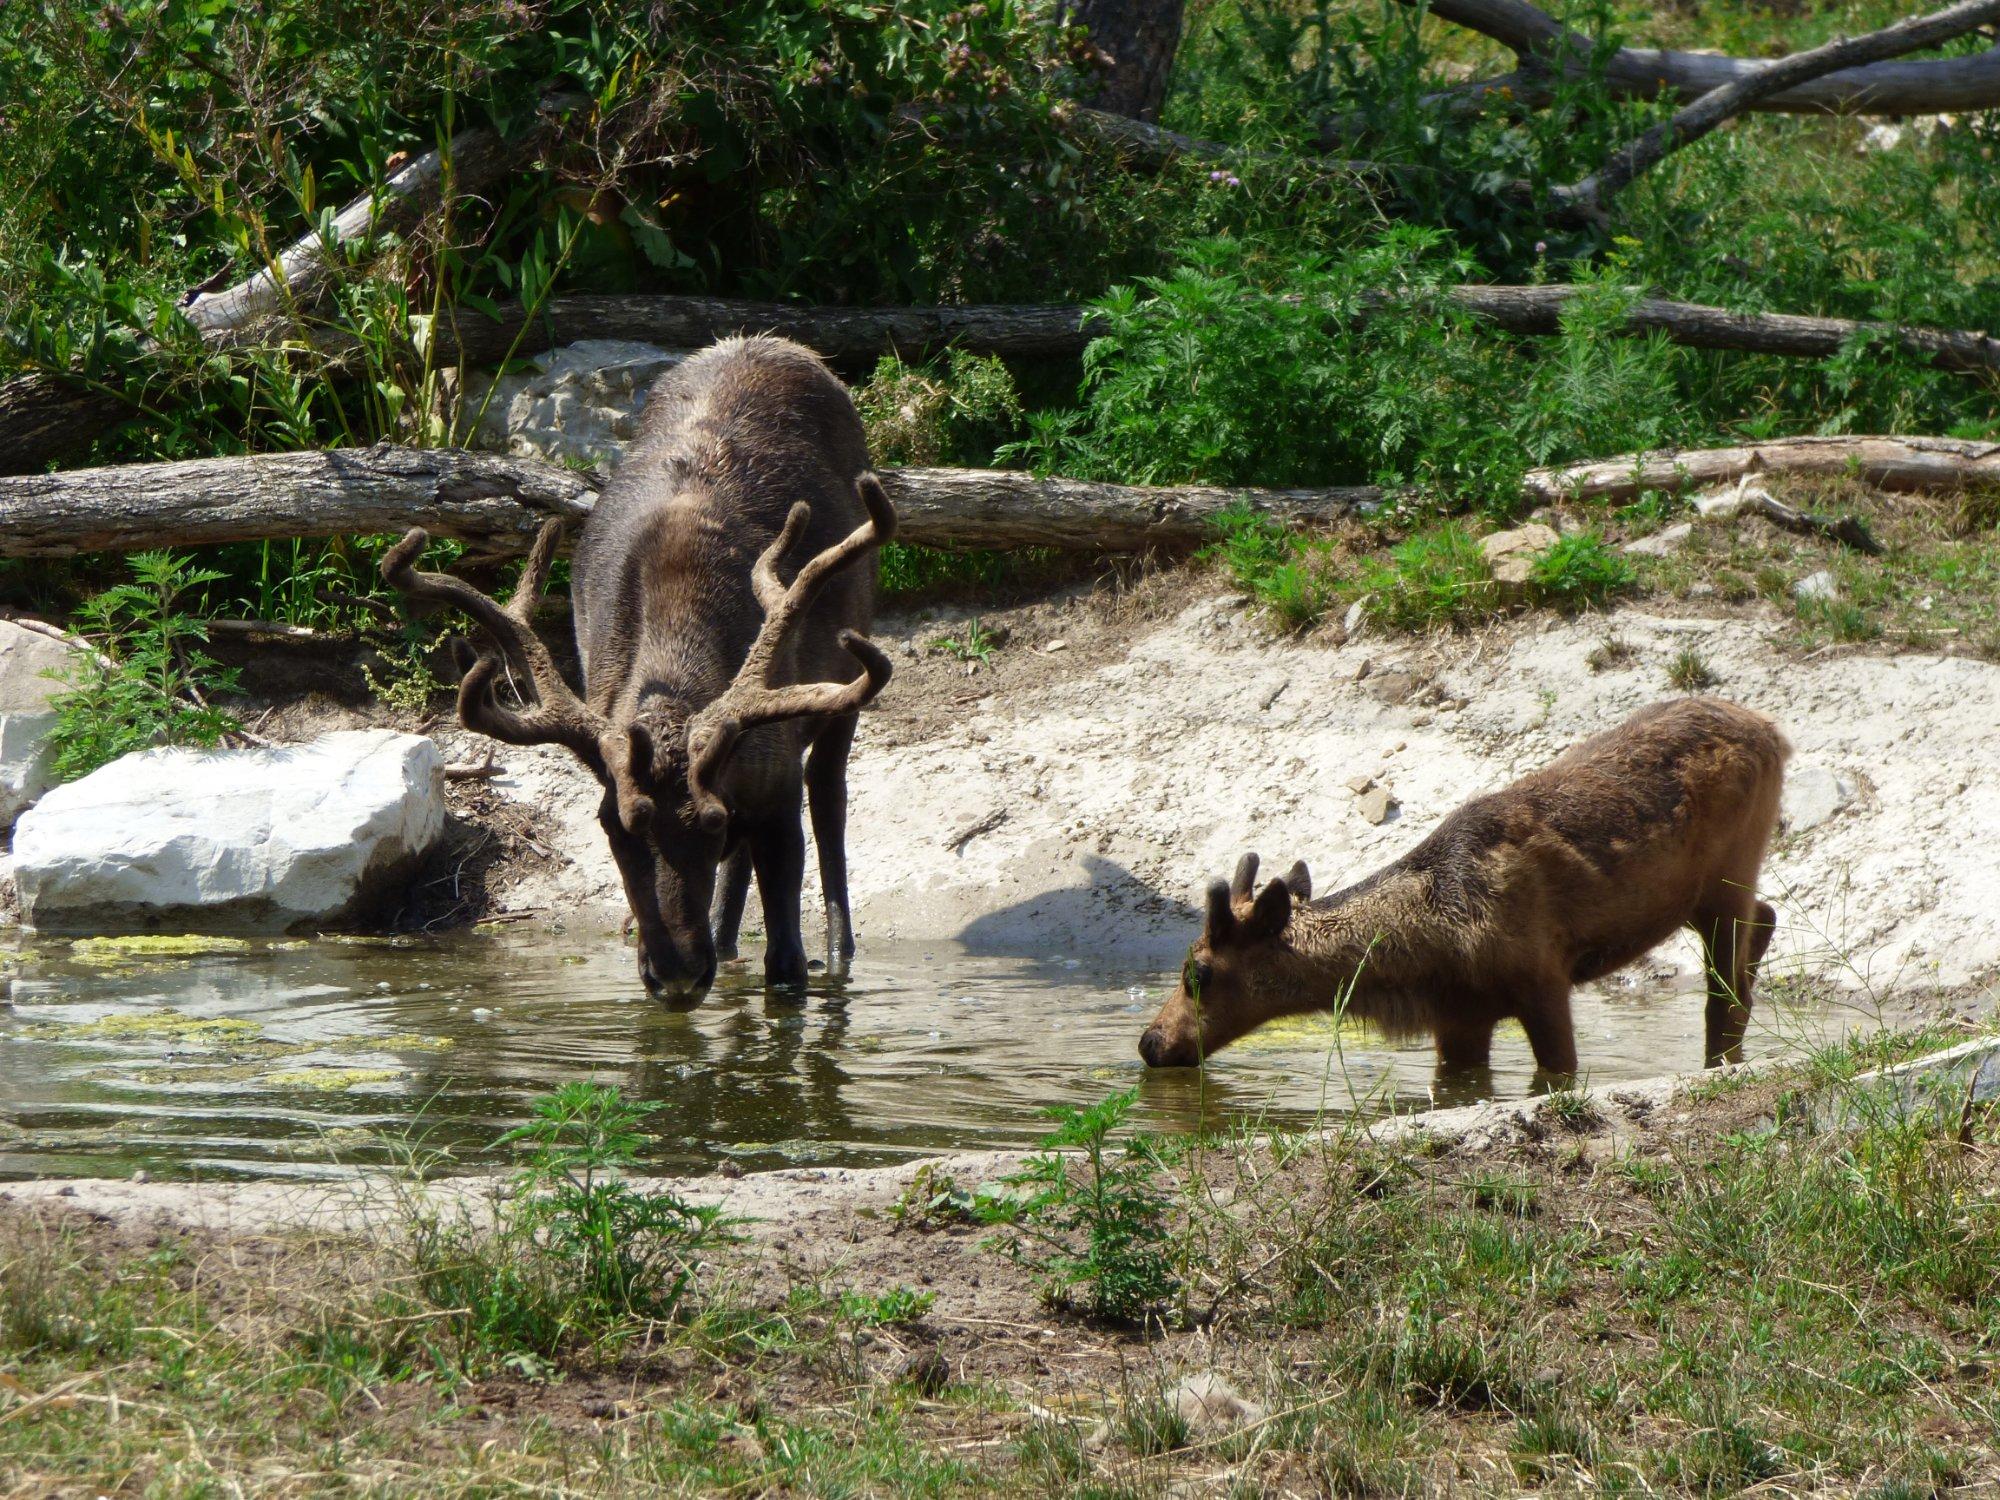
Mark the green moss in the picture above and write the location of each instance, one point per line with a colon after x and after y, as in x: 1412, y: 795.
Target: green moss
x: 167, y: 1025
x: 330, y: 1080
x: 113, y: 950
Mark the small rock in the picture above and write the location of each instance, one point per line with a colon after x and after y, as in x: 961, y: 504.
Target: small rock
x: 1360, y: 784
x: 1054, y: 646
x: 142, y: 1176
x: 1812, y: 795
x: 926, y: 1371
x: 1511, y: 554
x: 1392, y: 687
x: 1661, y: 543
x: 1355, y: 618
x: 1377, y: 803
x: 1361, y: 672
x: 730, y: 1169
x: 1818, y: 585
x: 1209, y: 1406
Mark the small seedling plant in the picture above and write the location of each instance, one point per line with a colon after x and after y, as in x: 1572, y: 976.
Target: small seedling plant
x: 976, y: 646
x: 146, y: 683
x: 1090, y: 1219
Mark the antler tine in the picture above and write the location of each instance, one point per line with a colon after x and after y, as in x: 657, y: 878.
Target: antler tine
x: 535, y: 572
x: 559, y: 716
x: 764, y: 577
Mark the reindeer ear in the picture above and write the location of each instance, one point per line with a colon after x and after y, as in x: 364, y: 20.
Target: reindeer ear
x: 1221, y: 919
x: 1298, y: 879
x: 1245, y: 877
x: 1269, y: 916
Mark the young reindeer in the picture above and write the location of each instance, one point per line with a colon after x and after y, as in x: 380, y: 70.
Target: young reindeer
x: 1564, y: 876
x: 706, y: 676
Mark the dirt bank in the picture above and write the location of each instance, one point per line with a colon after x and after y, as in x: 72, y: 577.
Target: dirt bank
x: 1118, y: 751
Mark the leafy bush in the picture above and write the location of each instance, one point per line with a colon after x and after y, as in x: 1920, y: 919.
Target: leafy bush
x: 1578, y: 570
x: 146, y: 684
x: 956, y: 412
x: 1091, y: 1222
x: 1231, y: 372
x: 1437, y: 577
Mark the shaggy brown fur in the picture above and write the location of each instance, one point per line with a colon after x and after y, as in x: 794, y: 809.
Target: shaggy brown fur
x: 706, y: 677
x: 1564, y: 876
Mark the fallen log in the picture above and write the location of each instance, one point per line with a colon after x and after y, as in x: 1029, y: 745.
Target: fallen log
x: 1898, y: 87
x: 498, y: 503
x: 45, y: 415
x: 845, y: 333
x: 482, y: 498
x: 1714, y: 109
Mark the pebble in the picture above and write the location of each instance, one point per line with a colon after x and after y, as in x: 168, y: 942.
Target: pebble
x: 1818, y: 585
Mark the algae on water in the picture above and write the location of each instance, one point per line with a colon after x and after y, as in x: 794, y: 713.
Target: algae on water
x: 114, y: 950
x: 330, y: 1080
x: 164, y: 1025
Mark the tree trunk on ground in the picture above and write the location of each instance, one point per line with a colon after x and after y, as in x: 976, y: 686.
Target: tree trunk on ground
x: 1900, y: 87
x: 498, y: 503
x: 842, y: 333
x: 1140, y: 38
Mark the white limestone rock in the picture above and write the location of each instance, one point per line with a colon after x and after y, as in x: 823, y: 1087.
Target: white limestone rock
x: 26, y: 719
x: 261, y: 840
x: 577, y: 403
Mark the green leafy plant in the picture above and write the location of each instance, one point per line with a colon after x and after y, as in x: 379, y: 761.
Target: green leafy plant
x: 1285, y: 572
x: 1579, y: 570
x: 1089, y: 1219
x: 1437, y: 577
x: 576, y: 1257
x: 957, y: 410
x: 145, y: 683
x: 406, y: 681
x: 897, y: 1305
x: 976, y: 645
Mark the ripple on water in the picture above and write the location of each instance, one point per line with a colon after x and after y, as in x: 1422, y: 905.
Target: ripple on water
x: 307, y: 1059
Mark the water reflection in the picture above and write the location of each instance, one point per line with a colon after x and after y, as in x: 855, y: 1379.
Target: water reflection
x: 309, y: 1059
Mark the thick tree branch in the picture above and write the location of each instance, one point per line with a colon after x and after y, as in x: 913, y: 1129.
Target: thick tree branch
x: 1901, y: 87
x: 1713, y: 109
x: 46, y: 415
x: 500, y: 503
x: 848, y: 334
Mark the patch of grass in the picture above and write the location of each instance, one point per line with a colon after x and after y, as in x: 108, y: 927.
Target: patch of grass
x: 1611, y: 651
x: 1289, y: 574
x: 1577, y: 572
x: 1435, y: 578
x: 1689, y: 672
x: 1151, y: 1426
x: 886, y: 1309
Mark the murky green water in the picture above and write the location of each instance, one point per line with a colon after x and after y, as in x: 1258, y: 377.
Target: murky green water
x: 312, y: 1058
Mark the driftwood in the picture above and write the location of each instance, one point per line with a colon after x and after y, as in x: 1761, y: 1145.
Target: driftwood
x: 1543, y: 46
x: 1715, y: 108
x: 46, y: 415
x: 847, y: 334
x: 499, y: 503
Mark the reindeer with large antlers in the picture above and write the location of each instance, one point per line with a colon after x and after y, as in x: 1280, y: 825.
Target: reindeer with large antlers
x: 707, y: 676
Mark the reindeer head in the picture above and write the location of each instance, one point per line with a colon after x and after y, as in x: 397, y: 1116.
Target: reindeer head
x: 1234, y: 979
x: 666, y: 810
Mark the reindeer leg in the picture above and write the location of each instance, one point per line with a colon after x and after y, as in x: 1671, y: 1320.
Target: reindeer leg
x: 1544, y: 1014
x: 826, y: 788
x: 731, y: 891
x: 1734, y: 932
x: 778, y: 852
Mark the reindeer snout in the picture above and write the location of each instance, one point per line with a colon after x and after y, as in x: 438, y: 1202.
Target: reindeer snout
x: 682, y: 991
x: 1158, y: 1052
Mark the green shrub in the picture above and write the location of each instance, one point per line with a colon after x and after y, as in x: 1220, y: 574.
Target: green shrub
x: 1282, y: 570
x: 1437, y: 577
x: 954, y: 411
x: 1579, y: 570
x: 147, y: 684
x: 1091, y: 1222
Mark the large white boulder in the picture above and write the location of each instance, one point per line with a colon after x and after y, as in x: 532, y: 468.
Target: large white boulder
x: 577, y: 403
x: 265, y: 840
x: 25, y: 716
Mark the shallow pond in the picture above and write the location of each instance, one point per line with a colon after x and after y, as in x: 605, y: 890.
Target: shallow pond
x: 311, y: 1058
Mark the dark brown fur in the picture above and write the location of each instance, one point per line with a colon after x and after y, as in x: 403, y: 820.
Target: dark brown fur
x: 1564, y: 876
x: 706, y: 677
